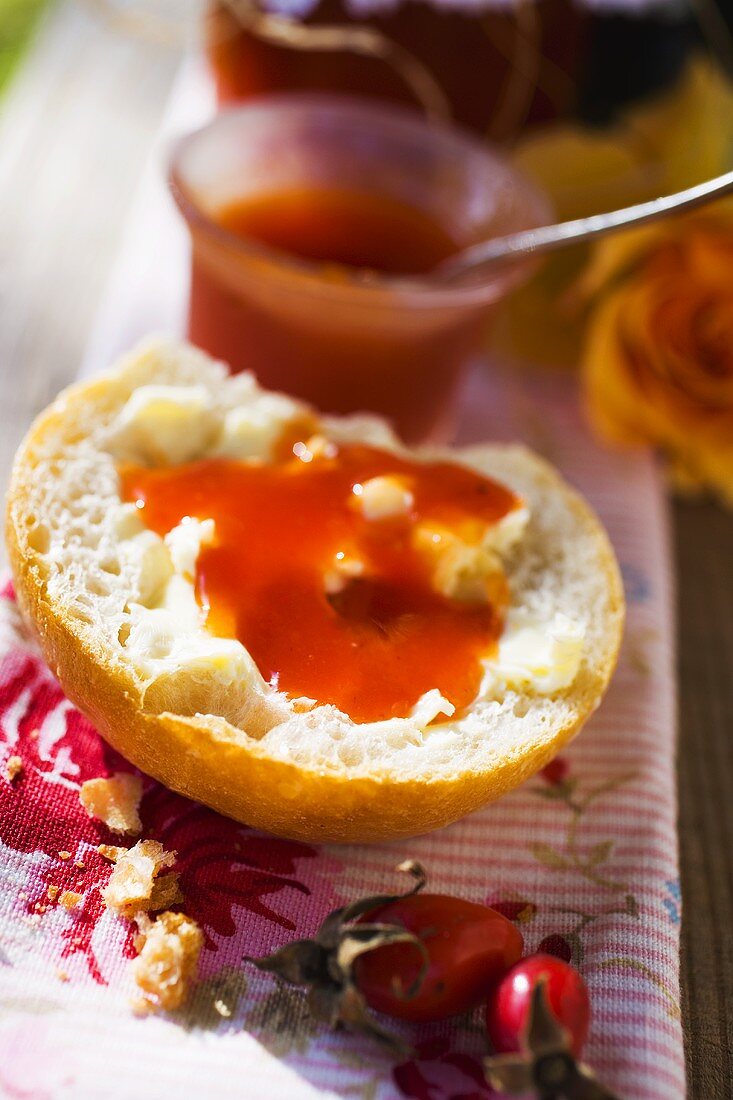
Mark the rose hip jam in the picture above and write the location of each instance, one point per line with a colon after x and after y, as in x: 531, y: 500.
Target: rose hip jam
x: 333, y: 601
x: 342, y: 227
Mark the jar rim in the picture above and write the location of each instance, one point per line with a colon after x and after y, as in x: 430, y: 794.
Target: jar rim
x: 424, y: 289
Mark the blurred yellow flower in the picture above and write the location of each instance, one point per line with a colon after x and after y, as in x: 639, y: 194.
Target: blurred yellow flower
x: 657, y: 360
x: 670, y: 143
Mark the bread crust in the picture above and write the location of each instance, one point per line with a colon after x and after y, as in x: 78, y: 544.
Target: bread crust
x: 239, y: 778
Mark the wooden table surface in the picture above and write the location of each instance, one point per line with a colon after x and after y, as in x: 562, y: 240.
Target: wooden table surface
x: 75, y: 131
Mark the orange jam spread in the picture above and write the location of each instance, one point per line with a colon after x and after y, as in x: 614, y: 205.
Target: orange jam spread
x: 333, y: 604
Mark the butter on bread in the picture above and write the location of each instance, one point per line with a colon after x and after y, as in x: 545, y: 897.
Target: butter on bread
x: 114, y: 608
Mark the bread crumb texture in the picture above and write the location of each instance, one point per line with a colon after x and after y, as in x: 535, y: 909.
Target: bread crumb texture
x: 115, y: 801
x: 166, y: 968
x: 13, y: 768
x: 135, y: 886
x: 70, y: 899
x: 110, y: 852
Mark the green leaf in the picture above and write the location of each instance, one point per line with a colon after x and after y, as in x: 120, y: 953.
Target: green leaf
x: 551, y: 794
x: 18, y: 21
x: 558, y: 792
x: 608, y: 786
x: 600, y: 853
x: 632, y: 907
x: 548, y: 856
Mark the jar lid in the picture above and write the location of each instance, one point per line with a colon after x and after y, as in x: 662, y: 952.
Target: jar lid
x: 299, y: 9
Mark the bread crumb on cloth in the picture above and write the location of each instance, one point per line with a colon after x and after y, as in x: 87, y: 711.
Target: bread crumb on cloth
x: 170, y: 944
x: 115, y: 801
x: 13, y: 768
x: 134, y: 885
x: 165, y: 970
x: 69, y: 899
x: 110, y: 852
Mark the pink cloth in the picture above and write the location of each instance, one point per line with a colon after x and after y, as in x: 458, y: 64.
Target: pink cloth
x: 584, y: 856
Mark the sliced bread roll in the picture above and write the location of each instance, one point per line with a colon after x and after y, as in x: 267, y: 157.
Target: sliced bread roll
x: 114, y: 607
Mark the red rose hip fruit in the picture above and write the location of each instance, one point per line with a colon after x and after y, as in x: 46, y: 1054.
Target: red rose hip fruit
x: 467, y: 946
x: 508, y: 1006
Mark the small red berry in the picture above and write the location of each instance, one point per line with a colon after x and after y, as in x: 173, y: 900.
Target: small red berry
x: 555, y: 772
x: 508, y: 1006
x: 467, y: 947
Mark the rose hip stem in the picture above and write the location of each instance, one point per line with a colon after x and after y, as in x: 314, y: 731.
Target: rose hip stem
x: 324, y: 965
x: 547, y: 1064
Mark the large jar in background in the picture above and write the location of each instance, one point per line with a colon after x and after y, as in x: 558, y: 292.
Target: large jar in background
x: 495, y: 72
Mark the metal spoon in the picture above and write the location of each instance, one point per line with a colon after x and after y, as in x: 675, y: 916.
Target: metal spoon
x: 480, y: 258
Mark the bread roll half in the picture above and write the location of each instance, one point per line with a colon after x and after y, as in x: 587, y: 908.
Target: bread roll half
x: 113, y: 607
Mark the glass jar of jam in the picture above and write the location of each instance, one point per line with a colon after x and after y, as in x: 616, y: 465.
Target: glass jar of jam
x: 490, y: 71
x: 318, y: 224
x: 491, y: 67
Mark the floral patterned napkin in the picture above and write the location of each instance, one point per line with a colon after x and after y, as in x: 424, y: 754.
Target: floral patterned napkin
x: 583, y: 857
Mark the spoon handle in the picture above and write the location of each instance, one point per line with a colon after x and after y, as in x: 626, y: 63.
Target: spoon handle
x: 546, y: 238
